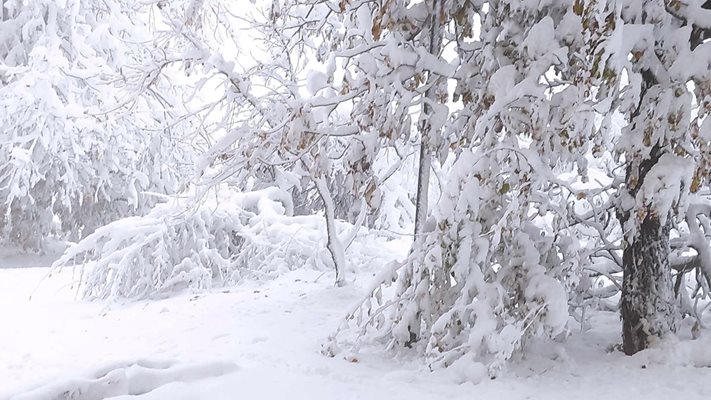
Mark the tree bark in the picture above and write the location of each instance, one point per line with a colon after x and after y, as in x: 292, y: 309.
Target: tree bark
x: 647, y: 305
x: 648, y: 308
x: 425, y: 160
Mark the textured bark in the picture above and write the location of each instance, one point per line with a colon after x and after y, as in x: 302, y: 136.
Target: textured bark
x: 648, y: 309
x: 647, y: 306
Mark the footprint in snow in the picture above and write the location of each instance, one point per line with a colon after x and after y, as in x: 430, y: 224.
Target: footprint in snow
x: 134, y: 379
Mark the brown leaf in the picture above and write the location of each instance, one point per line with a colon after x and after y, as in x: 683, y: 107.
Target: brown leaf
x: 377, y: 28
x: 578, y: 7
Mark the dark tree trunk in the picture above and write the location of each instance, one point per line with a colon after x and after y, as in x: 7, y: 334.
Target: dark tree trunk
x: 647, y: 306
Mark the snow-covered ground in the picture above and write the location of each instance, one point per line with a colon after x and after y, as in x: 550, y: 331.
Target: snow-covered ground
x: 263, y: 341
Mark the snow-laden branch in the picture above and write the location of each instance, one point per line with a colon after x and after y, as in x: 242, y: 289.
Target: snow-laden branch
x: 227, y: 237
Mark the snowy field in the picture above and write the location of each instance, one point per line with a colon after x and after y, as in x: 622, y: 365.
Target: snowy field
x: 263, y: 341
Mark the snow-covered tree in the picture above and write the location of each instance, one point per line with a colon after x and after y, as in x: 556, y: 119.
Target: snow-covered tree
x: 658, y: 67
x: 289, y: 114
x: 540, y: 84
x: 497, y: 261
x: 83, y: 132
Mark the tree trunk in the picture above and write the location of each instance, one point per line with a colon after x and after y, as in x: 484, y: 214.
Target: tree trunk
x: 647, y: 306
x: 423, y: 184
x: 334, y: 244
x: 425, y: 160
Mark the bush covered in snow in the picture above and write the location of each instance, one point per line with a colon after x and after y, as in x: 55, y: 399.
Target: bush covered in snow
x: 226, y: 237
x: 81, y: 137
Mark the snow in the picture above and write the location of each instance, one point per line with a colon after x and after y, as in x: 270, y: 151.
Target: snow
x: 263, y: 340
x: 234, y: 296
x: 540, y: 39
x: 555, y: 298
x: 316, y: 80
x: 665, y: 184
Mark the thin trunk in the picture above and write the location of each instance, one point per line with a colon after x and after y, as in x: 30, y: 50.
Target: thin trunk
x: 423, y: 184
x: 647, y: 305
x: 334, y: 244
x: 360, y: 220
x: 425, y: 160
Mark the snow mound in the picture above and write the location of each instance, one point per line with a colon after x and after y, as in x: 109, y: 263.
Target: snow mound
x: 675, y: 352
x: 130, y: 379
